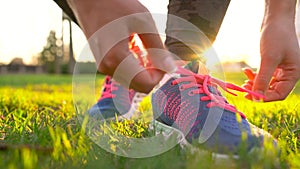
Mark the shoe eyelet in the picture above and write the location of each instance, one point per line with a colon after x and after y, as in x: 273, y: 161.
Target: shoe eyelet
x: 191, y: 93
x: 181, y: 88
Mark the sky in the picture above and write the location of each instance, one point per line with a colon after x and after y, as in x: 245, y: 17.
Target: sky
x: 25, y: 26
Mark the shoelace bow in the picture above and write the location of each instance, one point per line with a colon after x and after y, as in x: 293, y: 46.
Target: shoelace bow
x: 203, y: 82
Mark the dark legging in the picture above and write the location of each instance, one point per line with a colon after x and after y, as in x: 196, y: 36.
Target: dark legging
x: 205, y: 15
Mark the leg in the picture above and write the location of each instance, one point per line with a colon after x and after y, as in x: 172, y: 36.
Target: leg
x: 206, y: 15
x: 63, y: 4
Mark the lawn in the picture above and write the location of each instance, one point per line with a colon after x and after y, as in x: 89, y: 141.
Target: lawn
x: 39, y: 128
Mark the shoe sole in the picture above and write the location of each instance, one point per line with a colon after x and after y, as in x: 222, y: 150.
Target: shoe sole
x: 167, y: 130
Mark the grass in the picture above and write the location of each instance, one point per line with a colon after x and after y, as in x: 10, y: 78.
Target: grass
x: 39, y: 128
x: 19, y: 80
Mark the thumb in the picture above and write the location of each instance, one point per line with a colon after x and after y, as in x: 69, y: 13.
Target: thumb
x: 264, y: 76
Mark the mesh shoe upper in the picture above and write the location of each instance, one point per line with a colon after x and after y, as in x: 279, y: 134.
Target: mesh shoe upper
x: 193, y: 104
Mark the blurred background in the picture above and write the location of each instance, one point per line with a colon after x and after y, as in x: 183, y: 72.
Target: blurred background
x: 35, y: 36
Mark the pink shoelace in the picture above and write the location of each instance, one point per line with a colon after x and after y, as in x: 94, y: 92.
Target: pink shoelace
x: 203, y: 81
x: 108, y: 88
x: 111, y: 86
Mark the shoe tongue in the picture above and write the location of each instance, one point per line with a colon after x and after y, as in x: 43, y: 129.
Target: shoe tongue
x: 192, y: 66
x: 197, y: 67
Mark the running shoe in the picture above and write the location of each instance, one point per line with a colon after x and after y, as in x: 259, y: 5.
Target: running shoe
x: 193, y: 104
x: 115, y: 100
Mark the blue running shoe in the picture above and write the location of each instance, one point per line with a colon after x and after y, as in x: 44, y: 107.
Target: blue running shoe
x: 115, y: 100
x: 192, y: 103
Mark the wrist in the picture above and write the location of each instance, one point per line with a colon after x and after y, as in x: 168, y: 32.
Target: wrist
x: 279, y: 10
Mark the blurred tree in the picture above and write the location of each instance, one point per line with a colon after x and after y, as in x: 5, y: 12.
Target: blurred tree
x: 52, y: 54
x: 71, y: 61
x: 56, y: 56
